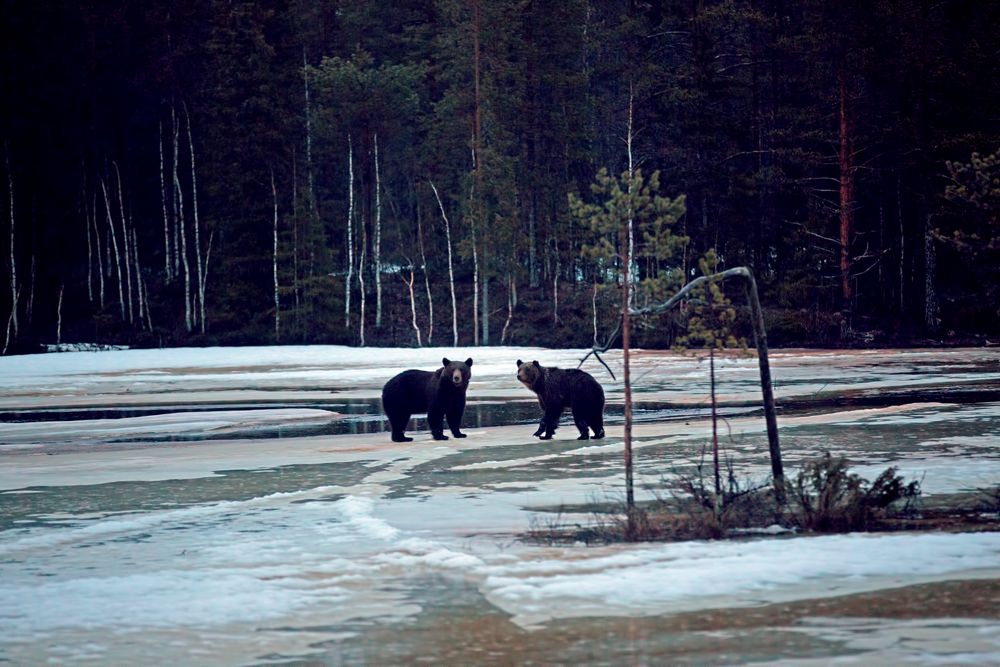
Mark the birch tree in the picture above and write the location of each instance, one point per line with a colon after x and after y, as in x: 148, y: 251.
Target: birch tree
x: 427, y: 277
x: 377, y: 246
x: 274, y: 263
x: 14, y: 290
x: 113, y: 238
x: 451, y: 270
x: 195, y: 221
x: 350, y: 232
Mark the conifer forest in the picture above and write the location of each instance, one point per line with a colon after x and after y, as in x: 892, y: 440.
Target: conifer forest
x: 475, y: 172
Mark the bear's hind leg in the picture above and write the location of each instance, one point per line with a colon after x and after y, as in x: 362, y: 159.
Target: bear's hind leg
x: 597, y: 425
x: 581, y: 425
x: 398, y: 423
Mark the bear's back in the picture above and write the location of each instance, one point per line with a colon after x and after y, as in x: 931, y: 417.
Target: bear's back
x: 408, y: 390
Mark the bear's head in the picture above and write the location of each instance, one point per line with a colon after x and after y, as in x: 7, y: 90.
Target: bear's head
x: 528, y: 373
x: 457, y: 372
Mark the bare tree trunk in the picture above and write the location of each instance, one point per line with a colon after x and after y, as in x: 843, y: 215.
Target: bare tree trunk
x: 274, y: 263
x: 90, y: 249
x: 30, y: 310
x: 139, y: 283
x: 177, y: 199
x: 14, y: 291
x: 114, y: 241
x: 10, y: 322
x: 451, y: 272
x: 477, y: 149
x: 59, y: 316
x: 555, y: 284
x: 486, y: 308
x: 350, y: 232
x: 715, y: 434
x: 182, y: 224
x: 413, y: 305
x: 475, y: 286
x: 168, y: 275
x: 631, y: 174
x: 296, y: 219
x: 100, y: 257
x: 361, y: 281
x: 427, y: 278
x: 378, y: 240
x: 197, y: 224
x: 931, y: 309
x: 846, y: 164
x: 125, y: 242
x: 532, y: 245
x: 310, y: 179
x: 511, y: 304
x: 593, y: 306
x: 627, y: 380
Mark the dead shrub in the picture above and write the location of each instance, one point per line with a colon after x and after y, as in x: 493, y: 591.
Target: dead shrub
x: 827, y: 497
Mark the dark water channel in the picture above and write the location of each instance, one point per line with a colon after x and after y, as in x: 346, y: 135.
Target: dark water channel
x: 364, y: 415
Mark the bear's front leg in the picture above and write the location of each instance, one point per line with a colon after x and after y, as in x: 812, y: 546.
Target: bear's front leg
x: 455, y: 420
x: 435, y: 419
x: 541, y: 428
x: 551, y: 422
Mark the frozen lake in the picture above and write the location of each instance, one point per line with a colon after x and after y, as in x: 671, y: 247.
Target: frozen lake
x: 246, y: 506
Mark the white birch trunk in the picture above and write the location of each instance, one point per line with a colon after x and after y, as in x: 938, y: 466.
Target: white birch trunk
x: 427, y: 279
x: 90, y: 249
x: 350, y: 232
x: 197, y: 224
x: 125, y: 242
x: 511, y: 302
x: 140, y: 293
x: 413, y: 305
x: 167, y: 274
x: 361, y: 281
x: 475, y: 286
x: 183, y: 250
x: 114, y: 242
x: 59, y: 316
x: 12, y: 321
x: 593, y: 306
x: 30, y: 310
x: 100, y: 258
x: 555, y: 285
x: 274, y: 264
x: 177, y: 200
x: 378, y: 240
x: 633, y: 267
x: 451, y: 271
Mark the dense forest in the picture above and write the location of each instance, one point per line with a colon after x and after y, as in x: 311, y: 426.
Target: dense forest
x: 400, y: 173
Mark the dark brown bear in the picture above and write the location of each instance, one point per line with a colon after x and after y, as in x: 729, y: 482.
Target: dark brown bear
x: 558, y: 389
x: 438, y: 393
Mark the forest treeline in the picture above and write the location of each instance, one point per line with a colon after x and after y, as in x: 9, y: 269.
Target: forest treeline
x: 398, y: 173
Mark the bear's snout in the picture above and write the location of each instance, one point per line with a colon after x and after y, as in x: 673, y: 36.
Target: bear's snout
x: 456, y: 377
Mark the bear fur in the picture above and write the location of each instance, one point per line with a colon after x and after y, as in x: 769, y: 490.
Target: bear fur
x: 437, y: 393
x: 558, y: 389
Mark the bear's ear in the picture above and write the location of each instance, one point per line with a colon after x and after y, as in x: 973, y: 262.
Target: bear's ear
x: 519, y: 362
x: 445, y: 362
x: 468, y: 362
x: 535, y: 362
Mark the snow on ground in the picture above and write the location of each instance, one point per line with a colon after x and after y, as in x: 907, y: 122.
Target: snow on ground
x: 219, y: 534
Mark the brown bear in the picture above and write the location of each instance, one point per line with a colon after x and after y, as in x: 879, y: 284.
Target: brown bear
x: 438, y: 393
x: 558, y: 389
